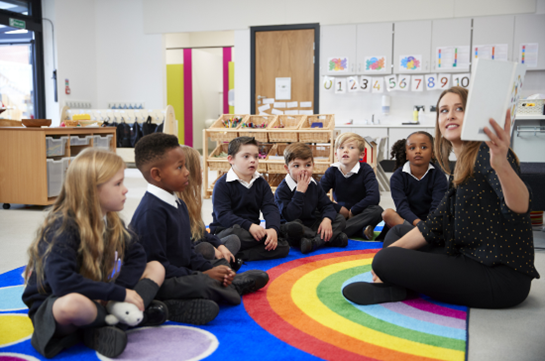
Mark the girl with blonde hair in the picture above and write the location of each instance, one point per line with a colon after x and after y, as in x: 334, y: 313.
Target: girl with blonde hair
x: 209, y: 245
x: 83, y: 257
x: 483, y: 251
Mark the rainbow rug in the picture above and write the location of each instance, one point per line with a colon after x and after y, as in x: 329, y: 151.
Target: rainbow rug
x: 300, y: 315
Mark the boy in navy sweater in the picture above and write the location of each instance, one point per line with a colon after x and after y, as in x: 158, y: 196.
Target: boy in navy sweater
x: 238, y: 198
x: 355, y: 187
x: 192, y: 284
x: 301, y: 199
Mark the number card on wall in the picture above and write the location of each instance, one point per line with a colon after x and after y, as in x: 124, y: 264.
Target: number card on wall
x: 391, y: 82
x: 352, y: 84
x: 365, y: 83
x: 431, y: 82
x: 417, y: 83
x: 461, y: 80
x: 340, y: 85
x: 444, y: 81
x: 378, y: 85
x: 328, y: 83
x: 403, y: 82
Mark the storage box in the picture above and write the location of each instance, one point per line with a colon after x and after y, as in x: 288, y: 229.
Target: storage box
x: 260, y: 134
x: 320, y: 152
x: 75, y: 140
x: 102, y: 142
x: 276, y: 159
x: 55, y: 147
x: 283, y: 129
x: 55, y: 177
x: 323, y: 135
x: 220, y: 133
x: 215, y: 162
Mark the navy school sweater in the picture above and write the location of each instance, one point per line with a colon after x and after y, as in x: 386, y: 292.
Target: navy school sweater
x: 61, y: 270
x: 417, y: 198
x: 165, y: 233
x: 297, y: 205
x: 235, y: 204
x: 356, y: 192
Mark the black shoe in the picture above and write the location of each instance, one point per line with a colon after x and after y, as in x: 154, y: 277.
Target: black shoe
x: 364, y: 293
x: 108, y: 341
x: 194, y: 311
x: 340, y: 241
x: 156, y: 314
x: 236, y: 264
x: 250, y: 281
x: 293, y: 231
x: 306, y: 245
x: 369, y: 233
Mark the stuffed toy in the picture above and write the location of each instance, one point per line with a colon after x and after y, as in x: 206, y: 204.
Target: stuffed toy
x: 124, y: 312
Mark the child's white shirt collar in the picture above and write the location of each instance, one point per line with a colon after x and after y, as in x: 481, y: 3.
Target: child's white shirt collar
x: 293, y: 184
x: 352, y: 171
x: 167, y: 197
x: 407, y: 169
x: 232, y: 176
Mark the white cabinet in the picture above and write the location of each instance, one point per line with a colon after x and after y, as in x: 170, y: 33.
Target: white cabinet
x: 494, y: 30
x: 451, y: 33
x: 530, y: 29
x: 374, y: 40
x: 338, y: 41
x: 410, y: 39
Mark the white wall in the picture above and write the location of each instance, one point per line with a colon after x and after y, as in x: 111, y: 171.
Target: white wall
x: 242, y: 71
x: 200, y: 39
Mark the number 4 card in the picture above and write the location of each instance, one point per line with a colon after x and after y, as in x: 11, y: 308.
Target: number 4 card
x: 417, y: 83
x: 378, y: 85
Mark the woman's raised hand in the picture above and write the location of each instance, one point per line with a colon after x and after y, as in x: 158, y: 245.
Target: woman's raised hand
x: 499, y: 143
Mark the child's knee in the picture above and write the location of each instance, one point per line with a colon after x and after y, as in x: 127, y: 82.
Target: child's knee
x: 388, y: 214
x: 155, y: 271
x: 383, y: 262
x: 71, y: 306
x: 340, y: 220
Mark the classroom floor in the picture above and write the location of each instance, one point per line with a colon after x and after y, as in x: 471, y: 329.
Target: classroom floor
x: 511, y: 334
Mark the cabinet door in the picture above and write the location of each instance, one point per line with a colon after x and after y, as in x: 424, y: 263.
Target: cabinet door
x: 530, y: 29
x: 450, y: 45
x: 338, y: 42
x: 412, y: 39
x: 374, y: 40
x: 492, y: 31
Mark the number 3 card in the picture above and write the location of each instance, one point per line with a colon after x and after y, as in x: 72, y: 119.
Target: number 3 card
x: 365, y: 84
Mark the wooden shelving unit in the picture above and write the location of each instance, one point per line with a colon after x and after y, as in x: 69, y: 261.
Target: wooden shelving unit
x: 274, y: 140
x: 23, y: 170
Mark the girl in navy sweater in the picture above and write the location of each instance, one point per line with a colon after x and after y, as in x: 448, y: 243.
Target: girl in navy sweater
x: 417, y: 186
x: 83, y: 257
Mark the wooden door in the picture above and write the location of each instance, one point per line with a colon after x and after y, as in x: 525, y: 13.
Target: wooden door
x: 284, y: 54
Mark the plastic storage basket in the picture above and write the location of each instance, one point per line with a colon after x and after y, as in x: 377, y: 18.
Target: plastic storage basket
x: 102, y: 142
x: 55, y: 177
x: 55, y: 147
x: 75, y: 140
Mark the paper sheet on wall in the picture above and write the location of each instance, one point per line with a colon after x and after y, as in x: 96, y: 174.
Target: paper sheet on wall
x: 268, y: 101
x: 391, y: 82
x: 306, y: 105
x: 283, y: 88
x: 528, y: 54
x: 461, y: 79
x: 444, y: 81
x: 280, y: 105
x: 276, y: 112
x: 365, y: 83
x: 291, y: 112
x: 452, y: 57
x: 338, y: 65
x: 264, y: 107
x: 412, y: 63
x: 403, y: 82
x: 375, y: 64
x: 340, y: 85
x: 291, y: 104
x: 352, y: 84
x: 417, y: 83
x: 491, y: 51
x: 328, y: 83
x: 431, y: 82
x: 378, y: 85
x: 306, y: 112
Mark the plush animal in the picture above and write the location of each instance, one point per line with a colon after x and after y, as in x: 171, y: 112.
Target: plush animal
x: 124, y: 312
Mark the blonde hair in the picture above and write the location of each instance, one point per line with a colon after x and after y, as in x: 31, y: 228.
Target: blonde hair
x: 350, y: 137
x: 78, y: 205
x: 466, y: 160
x: 192, y: 194
x: 297, y: 151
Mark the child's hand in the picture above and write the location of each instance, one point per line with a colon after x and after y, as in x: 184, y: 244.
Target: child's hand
x: 302, y: 182
x: 135, y: 299
x: 499, y: 144
x: 344, y: 212
x: 222, y: 274
x: 257, y: 232
x: 272, y: 239
x: 325, y: 231
x: 416, y: 221
x: 350, y: 215
x: 225, y: 253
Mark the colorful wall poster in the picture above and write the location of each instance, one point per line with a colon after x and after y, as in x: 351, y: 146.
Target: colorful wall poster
x: 528, y: 54
x: 375, y: 64
x: 491, y: 51
x: 410, y: 62
x: 337, y: 64
x: 452, y: 57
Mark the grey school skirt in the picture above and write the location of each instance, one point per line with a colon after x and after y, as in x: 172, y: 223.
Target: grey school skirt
x: 44, y: 339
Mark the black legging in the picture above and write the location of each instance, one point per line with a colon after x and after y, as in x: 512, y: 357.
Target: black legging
x: 452, y: 279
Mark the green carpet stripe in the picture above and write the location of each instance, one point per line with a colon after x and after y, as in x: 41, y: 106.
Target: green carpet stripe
x: 330, y: 295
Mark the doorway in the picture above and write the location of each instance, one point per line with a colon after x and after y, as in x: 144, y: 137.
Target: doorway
x: 289, y: 52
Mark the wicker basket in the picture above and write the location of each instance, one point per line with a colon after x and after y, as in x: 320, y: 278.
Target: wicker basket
x: 274, y: 180
x: 320, y: 151
x: 219, y: 163
x: 276, y: 166
x: 219, y: 133
x: 260, y: 134
x: 264, y: 148
x: 287, y: 134
x: 324, y: 133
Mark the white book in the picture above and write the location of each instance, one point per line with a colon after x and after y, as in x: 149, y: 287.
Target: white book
x: 495, y: 86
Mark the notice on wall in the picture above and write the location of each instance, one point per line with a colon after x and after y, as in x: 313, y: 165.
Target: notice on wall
x: 412, y: 63
x: 528, y: 54
x: 280, y: 104
x: 291, y: 112
x: 268, y: 100
x: 292, y: 104
x: 452, y: 57
x: 306, y: 112
x: 264, y: 107
x: 283, y: 88
x: 352, y: 84
x: 306, y: 105
x: 338, y: 65
x: 375, y: 64
x: 276, y: 112
x: 327, y: 83
x: 491, y: 51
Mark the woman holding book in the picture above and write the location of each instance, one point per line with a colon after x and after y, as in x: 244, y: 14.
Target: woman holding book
x: 483, y: 255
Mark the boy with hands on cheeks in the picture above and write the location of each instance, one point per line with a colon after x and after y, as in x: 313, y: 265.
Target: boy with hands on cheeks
x: 301, y: 200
